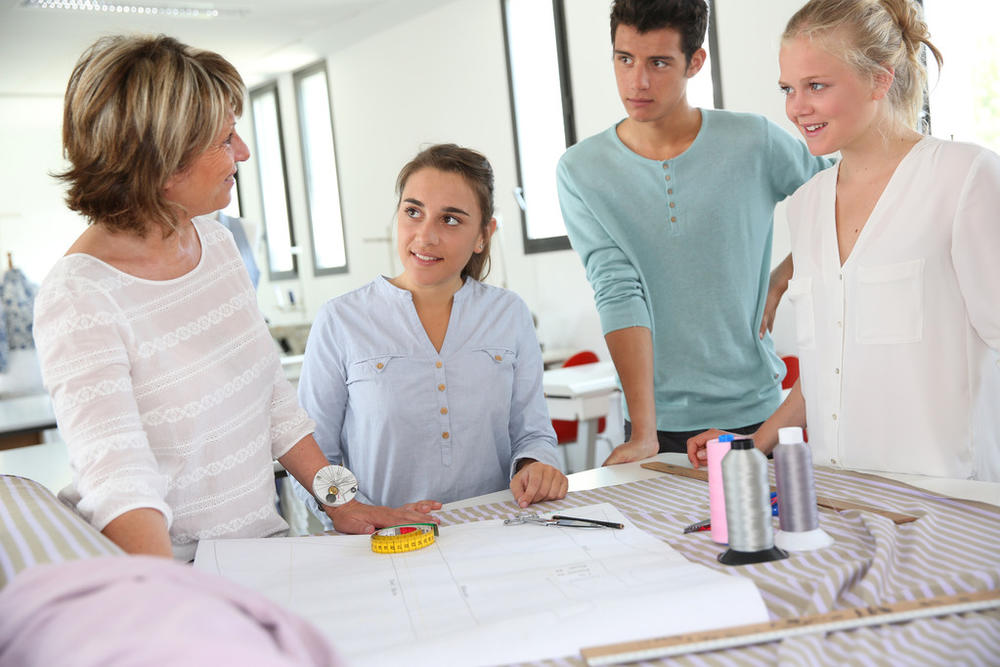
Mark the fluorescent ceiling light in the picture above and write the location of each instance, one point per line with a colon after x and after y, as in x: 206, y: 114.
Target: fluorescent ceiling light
x: 176, y: 10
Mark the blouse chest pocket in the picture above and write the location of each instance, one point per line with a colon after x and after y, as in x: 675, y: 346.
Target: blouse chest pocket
x: 372, y: 369
x: 890, y: 306
x: 800, y: 294
x: 492, y: 373
x: 500, y: 356
x: 495, y: 366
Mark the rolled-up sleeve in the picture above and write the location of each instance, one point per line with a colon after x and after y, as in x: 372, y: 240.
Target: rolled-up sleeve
x: 289, y: 421
x: 82, y: 340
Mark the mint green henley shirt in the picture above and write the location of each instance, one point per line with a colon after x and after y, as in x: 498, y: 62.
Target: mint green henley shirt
x: 683, y: 247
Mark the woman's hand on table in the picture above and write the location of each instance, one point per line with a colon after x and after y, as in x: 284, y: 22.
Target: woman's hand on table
x: 698, y: 446
x: 422, y: 506
x: 360, y: 519
x: 634, y: 450
x: 536, y: 481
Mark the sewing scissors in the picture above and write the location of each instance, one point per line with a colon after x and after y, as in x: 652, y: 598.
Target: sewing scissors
x: 559, y: 520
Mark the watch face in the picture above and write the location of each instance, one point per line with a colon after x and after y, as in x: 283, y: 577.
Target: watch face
x: 334, y: 485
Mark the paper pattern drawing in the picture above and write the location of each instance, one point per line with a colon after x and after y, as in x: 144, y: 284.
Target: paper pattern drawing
x: 485, y: 593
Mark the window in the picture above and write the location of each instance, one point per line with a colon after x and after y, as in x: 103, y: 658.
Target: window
x: 542, y: 102
x: 319, y: 164
x: 965, y: 96
x: 542, y: 111
x: 273, y: 183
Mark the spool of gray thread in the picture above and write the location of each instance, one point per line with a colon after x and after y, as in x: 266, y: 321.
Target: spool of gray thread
x: 798, y: 518
x: 748, y: 506
x: 748, y: 498
x: 793, y: 475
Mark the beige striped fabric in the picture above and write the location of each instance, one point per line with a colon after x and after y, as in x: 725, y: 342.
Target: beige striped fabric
x: 953, y: 547
x: 36, y: 528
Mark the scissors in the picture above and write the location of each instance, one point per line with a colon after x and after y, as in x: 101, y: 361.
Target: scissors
x: 559, y: 520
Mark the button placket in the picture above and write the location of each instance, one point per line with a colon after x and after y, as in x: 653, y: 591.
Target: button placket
x: 671, y: 212
x: 444, y: 420
x: 836, y: 361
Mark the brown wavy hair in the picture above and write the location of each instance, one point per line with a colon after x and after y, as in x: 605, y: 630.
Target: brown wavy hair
x: 477, y: 172
x: 139, y: 109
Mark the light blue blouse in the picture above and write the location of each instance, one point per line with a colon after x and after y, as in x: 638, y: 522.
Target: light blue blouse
x: 412, y: 423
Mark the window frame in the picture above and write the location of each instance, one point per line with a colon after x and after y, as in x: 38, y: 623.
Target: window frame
x: 272, y: 87
x: 532, y: 246
x: 297, y: 76
x: 549, y: 244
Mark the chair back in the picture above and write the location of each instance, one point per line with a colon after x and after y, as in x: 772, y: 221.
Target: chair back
x: 566, y: 430
x: 791, y: 372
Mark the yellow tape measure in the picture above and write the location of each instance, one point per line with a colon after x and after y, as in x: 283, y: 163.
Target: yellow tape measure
x: 408, y: 537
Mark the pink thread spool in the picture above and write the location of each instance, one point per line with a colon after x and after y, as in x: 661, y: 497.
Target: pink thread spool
x: 717, y: 448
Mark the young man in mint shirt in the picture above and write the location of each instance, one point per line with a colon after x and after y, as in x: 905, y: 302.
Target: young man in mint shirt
x: 671, y: 211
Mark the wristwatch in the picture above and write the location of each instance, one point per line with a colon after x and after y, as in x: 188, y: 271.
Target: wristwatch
x: 334, y: 485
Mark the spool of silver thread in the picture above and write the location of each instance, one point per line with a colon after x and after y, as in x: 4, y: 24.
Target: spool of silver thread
x: 798, y: 518
x: 748, y: 506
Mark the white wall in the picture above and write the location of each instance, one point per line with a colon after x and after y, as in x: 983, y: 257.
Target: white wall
x: 393, y: 93
x: 35, y: 225
x: 440, y: 76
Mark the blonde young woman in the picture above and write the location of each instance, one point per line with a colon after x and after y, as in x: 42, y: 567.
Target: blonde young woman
x: 896, y: 283
x: 429, y: 384
x: 165, y: 381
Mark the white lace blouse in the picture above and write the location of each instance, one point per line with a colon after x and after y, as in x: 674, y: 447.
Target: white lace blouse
x: 169, y: 394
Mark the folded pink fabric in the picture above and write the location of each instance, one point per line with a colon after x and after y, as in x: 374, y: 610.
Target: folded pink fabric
x: 140, y: 610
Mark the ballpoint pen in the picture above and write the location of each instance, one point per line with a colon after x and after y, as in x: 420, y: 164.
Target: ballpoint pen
x: 704, y: 524
x: 560, y: 520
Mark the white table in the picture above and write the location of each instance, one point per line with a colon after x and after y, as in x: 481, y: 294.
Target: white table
x: 581, y: 394
x: 24, y: 416
x: 46, y: 463
x: 587, y: 479
x: 967, y: 489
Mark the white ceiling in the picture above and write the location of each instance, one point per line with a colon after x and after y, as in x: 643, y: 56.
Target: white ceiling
x: 38, y: 47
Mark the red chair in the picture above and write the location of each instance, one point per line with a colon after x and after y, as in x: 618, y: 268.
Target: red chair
x: 792, y: 373
x: 566, y: 430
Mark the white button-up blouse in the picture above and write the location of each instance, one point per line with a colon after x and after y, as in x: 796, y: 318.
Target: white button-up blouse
x: 899, y: 346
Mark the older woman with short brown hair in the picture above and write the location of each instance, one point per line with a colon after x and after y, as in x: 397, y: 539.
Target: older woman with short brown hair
x: 165, y: 381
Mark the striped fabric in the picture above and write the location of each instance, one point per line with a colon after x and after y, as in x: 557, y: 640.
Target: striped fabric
x: 953, y: 547
x: 36, y: 528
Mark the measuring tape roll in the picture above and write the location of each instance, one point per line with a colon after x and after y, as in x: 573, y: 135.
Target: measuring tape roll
x: 407, y: 537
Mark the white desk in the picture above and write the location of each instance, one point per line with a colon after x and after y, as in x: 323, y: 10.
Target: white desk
x: 26, y: 413
x: 23, y: 418
x: 581, y: 394
x: 46, y: 463
x: 587, y: 479
x: 966, y: 489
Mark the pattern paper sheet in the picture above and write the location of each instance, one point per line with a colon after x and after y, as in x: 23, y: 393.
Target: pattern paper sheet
x: 485, y: 593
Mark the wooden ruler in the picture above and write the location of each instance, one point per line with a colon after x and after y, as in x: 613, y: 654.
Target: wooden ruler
x: 834, y: 504
x: 760, y: 633
x: 700, y: 473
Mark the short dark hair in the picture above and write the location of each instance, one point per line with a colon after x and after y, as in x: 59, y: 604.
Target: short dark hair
x: 477, y: 172
x: 688, y: 17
